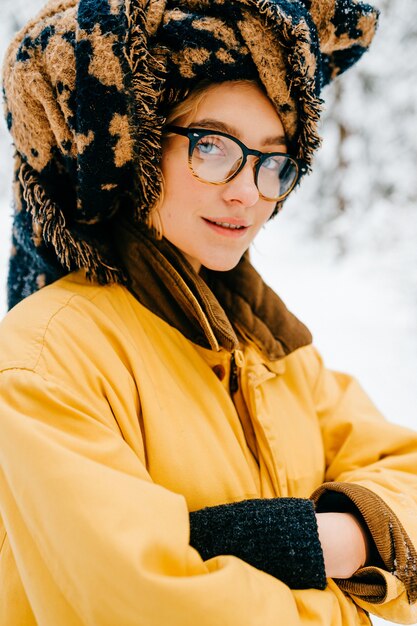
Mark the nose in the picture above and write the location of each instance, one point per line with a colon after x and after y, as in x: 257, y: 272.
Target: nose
x: 242, y: 188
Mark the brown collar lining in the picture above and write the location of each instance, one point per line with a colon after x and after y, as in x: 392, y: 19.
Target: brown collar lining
x: 207, y: 308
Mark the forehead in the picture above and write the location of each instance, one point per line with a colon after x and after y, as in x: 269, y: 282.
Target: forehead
x: 243, y: 107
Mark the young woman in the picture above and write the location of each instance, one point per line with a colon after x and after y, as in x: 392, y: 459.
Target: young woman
x: 173, y: 450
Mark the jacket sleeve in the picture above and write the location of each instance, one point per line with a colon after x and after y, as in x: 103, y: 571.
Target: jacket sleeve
x: 371, y: 468
x: 95, y: 540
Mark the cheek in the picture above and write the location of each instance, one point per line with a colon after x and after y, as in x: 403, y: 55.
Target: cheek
x: 265, y: 212
x: 178, y: 179
x: 182, y: 191
x: 170, y: 172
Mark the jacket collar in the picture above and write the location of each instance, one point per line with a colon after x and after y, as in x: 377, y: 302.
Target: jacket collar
x: 207, y: 308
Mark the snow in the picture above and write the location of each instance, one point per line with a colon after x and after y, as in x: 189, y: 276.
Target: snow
x: 4, y: 252
x: 361, y: 319
x: 5, y: 224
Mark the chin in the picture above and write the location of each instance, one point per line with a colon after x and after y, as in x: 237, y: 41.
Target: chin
x: 223, y: 265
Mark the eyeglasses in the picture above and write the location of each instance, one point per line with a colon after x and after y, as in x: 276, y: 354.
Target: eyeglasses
x: 215, y: 157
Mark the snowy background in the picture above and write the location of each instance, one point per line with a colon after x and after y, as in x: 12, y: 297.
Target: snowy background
x: 343, y: 253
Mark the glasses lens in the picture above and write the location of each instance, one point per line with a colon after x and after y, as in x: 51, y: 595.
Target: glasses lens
x: 277, y: 175
x: 215, y: 158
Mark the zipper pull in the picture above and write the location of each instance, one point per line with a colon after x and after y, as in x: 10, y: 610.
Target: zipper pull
x: 237, y: 360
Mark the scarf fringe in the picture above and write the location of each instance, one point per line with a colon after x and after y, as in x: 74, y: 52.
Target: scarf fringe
x: 49, y: 227
x: 303, y: 89
x: 148, y: 75
x: 309, y: 115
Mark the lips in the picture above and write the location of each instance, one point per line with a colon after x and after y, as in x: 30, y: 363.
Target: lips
x: 232, y: 228
x: 225, y: 225
x: 229, y: 223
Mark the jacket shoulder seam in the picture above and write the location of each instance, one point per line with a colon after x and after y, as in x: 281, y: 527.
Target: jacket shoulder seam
x: 39, y: 342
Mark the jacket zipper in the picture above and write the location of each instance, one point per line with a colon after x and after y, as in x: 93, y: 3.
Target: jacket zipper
x: 236, y: 361
x: 203, y: 318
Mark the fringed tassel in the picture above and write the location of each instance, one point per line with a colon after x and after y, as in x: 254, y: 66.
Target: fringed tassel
x: 147, y: 76
x: 303, y: 89
x: 49, y: 227
x: 309, y: 115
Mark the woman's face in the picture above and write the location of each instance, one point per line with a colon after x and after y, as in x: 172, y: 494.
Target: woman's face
x: 196, y: 216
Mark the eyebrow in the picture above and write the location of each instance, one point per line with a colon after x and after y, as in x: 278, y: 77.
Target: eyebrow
x: 212, y: 124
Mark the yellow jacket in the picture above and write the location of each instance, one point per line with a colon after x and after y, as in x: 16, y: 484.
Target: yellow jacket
x: 114, y: 426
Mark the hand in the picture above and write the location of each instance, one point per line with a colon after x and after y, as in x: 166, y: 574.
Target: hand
x: 344, y: 542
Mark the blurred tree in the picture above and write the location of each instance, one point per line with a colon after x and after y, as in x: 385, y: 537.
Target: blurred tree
x: 366, y: 172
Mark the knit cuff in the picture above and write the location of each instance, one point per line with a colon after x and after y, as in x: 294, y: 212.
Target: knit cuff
x: 278, y: 536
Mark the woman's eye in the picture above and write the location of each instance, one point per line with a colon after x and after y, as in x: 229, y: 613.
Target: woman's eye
x: 272, y: 163
x: 210, y: 146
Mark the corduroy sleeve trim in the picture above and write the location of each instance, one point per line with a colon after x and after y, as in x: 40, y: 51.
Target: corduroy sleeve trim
x: 394, y: 547
x: 278, y: 536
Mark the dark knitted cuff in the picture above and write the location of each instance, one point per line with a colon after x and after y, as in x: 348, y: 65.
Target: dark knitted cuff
x: 278, y: 536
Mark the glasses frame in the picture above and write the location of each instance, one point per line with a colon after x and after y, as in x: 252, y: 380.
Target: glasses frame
x: 195, y: 134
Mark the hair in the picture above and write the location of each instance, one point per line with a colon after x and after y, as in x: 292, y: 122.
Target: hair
x: 179, y: 114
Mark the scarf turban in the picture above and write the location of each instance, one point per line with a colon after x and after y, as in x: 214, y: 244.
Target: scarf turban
x: 87, y: 86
